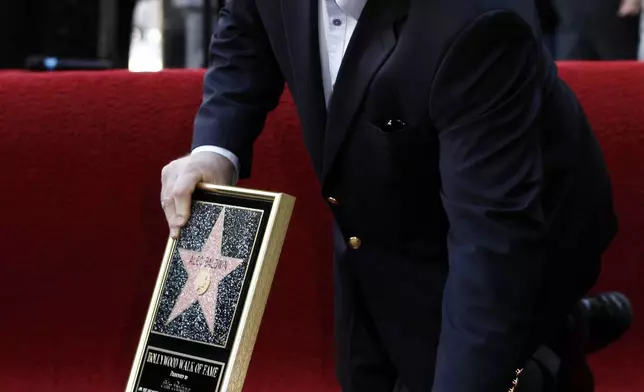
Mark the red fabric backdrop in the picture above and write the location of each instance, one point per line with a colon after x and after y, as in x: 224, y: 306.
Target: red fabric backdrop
x: 82, y: 231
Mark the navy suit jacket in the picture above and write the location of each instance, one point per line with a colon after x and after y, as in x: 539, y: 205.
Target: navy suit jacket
x: 492, y: 170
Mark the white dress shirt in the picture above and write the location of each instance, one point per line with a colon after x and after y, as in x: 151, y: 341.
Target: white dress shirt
x: 337, y: 22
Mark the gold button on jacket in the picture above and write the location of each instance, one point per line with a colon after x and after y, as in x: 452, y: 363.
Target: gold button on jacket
x: 355, y: 242
x: 333, y: 200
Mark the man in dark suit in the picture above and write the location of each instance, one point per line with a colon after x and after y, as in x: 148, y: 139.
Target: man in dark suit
x: 470, y: 197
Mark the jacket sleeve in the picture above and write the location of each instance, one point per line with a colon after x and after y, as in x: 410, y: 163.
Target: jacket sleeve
x: 485, y: 104
x: 241, y: 86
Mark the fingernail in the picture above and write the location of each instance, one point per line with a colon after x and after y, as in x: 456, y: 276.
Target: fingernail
x: 174, y: 233
x: 180, y: 220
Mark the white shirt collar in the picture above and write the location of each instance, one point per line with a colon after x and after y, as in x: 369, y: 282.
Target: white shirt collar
x: 353, y: 8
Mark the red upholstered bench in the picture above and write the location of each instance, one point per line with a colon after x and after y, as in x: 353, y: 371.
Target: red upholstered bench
x: 82, y: 231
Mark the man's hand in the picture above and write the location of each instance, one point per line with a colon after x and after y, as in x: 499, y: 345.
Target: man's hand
x: 630, y: 8
x: 179, y: 179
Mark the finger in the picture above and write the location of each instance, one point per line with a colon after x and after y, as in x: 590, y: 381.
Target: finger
x: 170, y: 216
x: 182, y: 192
x: 167, y: 200
x: 168, y: 178
x: 165, y: 172
x: 168, y: 209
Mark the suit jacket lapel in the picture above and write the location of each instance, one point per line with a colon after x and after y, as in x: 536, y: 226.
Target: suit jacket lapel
x: 301, y: 28
x: 372, y: 42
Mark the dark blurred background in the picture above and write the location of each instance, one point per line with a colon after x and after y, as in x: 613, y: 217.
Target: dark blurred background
x: 65, y: 29
x: 105, y: 29
x: 147, y: 35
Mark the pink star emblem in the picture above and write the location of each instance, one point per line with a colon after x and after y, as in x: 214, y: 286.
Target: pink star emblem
x: 205, y: 270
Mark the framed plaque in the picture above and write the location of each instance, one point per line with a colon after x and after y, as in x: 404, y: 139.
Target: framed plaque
x: 211, y: 291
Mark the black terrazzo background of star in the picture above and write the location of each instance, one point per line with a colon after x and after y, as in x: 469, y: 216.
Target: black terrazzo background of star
x: 240, y: 228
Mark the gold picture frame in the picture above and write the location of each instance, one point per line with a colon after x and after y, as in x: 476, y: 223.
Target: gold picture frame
x: 211, y: 292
